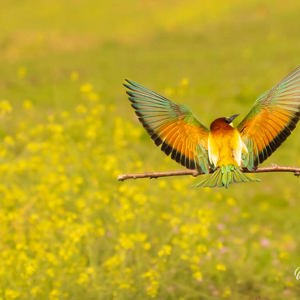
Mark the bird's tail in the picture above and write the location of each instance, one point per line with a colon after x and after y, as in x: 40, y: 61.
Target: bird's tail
x: 225, y: 175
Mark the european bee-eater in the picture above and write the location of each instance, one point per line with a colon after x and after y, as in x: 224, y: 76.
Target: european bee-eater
x: 222, y: 149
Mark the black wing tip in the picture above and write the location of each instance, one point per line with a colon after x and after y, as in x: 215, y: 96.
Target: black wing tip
x: 168, y: 149
x: 129, y: 84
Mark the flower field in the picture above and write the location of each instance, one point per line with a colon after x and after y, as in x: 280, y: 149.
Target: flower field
x: 68, y: 228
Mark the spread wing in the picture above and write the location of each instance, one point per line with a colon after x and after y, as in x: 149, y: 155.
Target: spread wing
x: 271, y: 119
x: 171, y: 126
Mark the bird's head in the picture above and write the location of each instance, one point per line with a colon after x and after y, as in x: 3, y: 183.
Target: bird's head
x: 225, y: 122
x: 230, y: 119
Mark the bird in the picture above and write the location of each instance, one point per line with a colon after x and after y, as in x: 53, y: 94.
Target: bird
x: 221, y: 150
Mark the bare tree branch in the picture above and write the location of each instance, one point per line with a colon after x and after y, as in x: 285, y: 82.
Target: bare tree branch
x: 195, y: 173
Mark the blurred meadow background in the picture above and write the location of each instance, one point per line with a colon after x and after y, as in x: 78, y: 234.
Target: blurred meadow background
x: 68, y: 228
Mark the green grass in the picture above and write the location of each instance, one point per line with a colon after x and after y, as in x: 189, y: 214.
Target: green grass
x: 69, y: 229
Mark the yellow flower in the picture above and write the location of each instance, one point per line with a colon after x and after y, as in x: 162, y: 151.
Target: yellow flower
x: 92, y: 96
x: 54, y: 294
x: 126, y: 242
x: 5, y: 107
x: 166, y: 250
x: 11, y: 294
x: 74, y: 76
x: 184, y: 82
x: 113, y: 262
x: 152, y: 283
x: 30, y: 268
x: 169, y: 92
x: 152, y: 288
x: 35, y: 290
x: 9, y: 140
x: 221, y: 267
x: 198, y: 276
x: 147, y: 246
x: 226, y: 293
x: 82, y: 279
x: 81, y: 109
x: 27, y: 104
x: 50, y: 272
x: 283, y: 255
x: 231, y: 201
x: 124, y: 286
x: 86, y: 88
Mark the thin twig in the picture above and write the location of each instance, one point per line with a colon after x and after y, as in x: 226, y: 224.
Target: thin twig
x: 195, y: 173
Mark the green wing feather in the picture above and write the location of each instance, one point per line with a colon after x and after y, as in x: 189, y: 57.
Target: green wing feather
x: 271, y: 120
x: 171, y: 126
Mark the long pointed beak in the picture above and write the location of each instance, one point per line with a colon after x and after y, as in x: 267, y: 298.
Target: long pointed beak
x: 230, y: 119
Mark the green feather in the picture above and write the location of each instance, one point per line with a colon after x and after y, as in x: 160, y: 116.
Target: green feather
x: 224, y: 176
